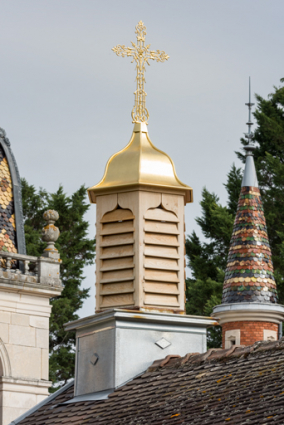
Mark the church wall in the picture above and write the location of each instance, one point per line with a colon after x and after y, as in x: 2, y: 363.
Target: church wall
x: 24, y: 343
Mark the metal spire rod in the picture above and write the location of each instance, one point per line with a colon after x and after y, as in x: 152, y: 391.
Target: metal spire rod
x: 249, y: 134
x: 249, y: 177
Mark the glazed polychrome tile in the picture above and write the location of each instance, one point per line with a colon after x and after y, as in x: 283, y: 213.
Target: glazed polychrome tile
x: 7, y: 214
x: 249, y: 273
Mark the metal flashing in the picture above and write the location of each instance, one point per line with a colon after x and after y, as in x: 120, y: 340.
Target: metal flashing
x: 115, y: 345
x: 100, y: 395
x: 140, y: 317
x: 249, y: 177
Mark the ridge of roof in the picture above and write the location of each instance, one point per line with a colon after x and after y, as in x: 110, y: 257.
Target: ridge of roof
x: 215, y: 354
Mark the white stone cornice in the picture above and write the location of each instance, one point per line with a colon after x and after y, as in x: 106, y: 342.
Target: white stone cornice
x: 27, y: 386
x: 239, y: 312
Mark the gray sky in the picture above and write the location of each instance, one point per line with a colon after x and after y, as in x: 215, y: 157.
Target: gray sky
x: 66, y: 98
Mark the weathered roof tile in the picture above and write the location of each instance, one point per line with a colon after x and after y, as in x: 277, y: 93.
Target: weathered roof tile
x: 239, y: 386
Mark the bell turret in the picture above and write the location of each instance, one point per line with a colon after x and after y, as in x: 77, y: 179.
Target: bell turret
x: 249, y: 311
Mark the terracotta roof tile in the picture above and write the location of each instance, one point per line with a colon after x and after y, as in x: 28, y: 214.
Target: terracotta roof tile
x: 244, y: 385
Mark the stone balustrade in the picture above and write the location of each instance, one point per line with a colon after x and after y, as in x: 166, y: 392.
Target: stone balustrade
x: 30, y: 270
x: 35, y: 272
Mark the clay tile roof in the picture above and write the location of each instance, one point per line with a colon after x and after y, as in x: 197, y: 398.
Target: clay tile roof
x: 240, y: 385
x: 12, y: 236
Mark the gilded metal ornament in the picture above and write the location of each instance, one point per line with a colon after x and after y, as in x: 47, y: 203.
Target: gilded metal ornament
x: 141, y: 55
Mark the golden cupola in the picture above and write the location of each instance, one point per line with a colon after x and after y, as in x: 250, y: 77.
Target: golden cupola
x: 140, y: 163
x: 140, y: 214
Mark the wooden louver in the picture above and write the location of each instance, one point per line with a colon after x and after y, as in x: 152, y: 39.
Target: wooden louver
x: 161, y: 258
x: 117, y: 258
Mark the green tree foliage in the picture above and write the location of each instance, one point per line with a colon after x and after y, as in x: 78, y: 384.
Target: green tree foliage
x: 76, y: 250
x: 207, y: 260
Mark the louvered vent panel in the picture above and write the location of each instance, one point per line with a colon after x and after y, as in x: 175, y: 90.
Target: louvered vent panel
x: 161, y: 255
x: 117, y: 258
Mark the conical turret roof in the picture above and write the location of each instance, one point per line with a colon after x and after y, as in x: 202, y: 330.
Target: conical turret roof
x: 249, y: 274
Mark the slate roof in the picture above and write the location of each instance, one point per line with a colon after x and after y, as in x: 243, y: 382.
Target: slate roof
x: 249, y: 274
x: 240, y: 385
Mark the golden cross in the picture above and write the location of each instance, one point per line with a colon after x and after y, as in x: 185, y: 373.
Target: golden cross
x: 141, y: 55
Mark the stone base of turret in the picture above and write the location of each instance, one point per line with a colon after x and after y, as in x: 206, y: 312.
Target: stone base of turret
x: 248, y: 332
x: 247, y: 323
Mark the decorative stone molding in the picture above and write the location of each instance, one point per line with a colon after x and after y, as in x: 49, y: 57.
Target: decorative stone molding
x: 232, y: 337
x: 19, y: 396
x: 259, y: 312
x: 269, y: 335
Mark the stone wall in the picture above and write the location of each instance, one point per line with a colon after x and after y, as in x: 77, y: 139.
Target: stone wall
x: 26, y: 285
x: 24, y: 333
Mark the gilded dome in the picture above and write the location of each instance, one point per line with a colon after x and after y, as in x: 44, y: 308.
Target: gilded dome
x: 139, y: 163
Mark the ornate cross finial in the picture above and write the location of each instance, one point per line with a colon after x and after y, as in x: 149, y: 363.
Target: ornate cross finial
x: 141, y: 55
